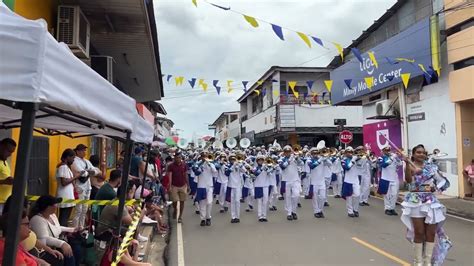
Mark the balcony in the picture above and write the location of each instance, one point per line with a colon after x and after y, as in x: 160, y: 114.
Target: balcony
x: 291, y: 99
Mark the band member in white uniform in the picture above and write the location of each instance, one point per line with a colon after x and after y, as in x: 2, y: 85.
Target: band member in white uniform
x: 261, y: 172
x: 205, y: 170
x: 364, y: 168
x: 222, y: 180
x: 326, y: 172
x: 289, y: 164
x: 389, y: 183
x: 351, y: 185
x: 234, y: 171
x: 336, y: 176
x: 273, y: 188
x: 315, y: 170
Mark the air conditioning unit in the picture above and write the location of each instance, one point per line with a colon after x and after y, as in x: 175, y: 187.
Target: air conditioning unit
x: 104, y: 65
x: 74, y: 30
x: 383, y: 107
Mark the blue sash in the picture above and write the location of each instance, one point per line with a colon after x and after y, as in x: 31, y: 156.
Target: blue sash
x: 201, y: 194
x: 245, y: 192
x: 282, y: 187
x: 270, y: 189
x: 258, y: 192
x: 383, y: 186
x: 192, y: 185
x: 346, y: 190
x: 311, y: 191
x: 333, y: 177
x: 217, y: 188
x: 228, y: 194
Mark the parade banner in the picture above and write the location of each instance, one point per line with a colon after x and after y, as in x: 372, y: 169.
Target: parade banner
x: 407, y: 52
x: 375, y: 134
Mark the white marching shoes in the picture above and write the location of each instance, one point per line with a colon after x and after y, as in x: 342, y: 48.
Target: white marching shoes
x: 418, y: 258
x: 429, y: 246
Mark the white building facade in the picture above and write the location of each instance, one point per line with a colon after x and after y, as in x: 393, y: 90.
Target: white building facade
x: 227, y: 125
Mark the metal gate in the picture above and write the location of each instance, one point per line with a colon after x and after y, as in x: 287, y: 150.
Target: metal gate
x: 38, y: 180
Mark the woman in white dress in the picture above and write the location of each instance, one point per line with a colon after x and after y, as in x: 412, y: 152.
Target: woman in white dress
x: 65, y: 188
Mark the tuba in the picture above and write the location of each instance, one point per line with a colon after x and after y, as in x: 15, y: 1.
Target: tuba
x: 231, y: 143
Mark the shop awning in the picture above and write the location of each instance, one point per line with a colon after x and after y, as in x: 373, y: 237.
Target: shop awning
x: 71, y: 97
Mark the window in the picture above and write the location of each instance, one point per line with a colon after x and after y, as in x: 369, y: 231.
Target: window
x: 464, y: 63
x: 233, y: 118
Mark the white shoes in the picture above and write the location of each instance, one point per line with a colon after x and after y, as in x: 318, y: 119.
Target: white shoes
x: 148, y: 220
x: 141, y: 238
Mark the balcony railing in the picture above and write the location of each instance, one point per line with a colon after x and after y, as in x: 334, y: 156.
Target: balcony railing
x: 291, y: 99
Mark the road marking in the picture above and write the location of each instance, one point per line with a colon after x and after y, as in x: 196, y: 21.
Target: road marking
x: 447, y: 214
x: 179, y: 235
x: 382, y: 252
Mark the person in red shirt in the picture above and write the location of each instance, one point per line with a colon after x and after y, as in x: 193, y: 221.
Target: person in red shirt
x: 469, y: 174
x: 177, y: 172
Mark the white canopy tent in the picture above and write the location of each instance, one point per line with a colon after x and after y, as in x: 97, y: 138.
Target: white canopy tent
x: 44, y: 86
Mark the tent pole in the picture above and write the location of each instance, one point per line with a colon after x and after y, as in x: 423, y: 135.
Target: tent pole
x: 146, y: 171
x: 19, y: 182
x: 123, y: 187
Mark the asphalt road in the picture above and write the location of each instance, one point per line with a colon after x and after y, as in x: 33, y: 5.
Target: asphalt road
x: 371, y: 239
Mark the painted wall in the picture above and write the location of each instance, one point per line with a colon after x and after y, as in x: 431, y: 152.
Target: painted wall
x: 262, y: 121
x: 323, y: 116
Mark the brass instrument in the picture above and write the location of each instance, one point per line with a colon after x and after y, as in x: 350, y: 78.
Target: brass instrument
x: 240, y: 158
x: 210, y: 158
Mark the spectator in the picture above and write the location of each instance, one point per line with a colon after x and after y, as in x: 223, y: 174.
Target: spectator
x: 177, y: 172
x: 157, y: 156
x: 109, y: 190
x: 136, y: 161
x: 22, y: 257
x: 152, y: 173
x: 469, y: 174
x: 154, y: 212
x: 48, y: 230
x: 7, y: 147
x: 166, y: 179
x: 84, y: 168
x: 126, y: 259
x: 65, y: 188
x: 98, y: 179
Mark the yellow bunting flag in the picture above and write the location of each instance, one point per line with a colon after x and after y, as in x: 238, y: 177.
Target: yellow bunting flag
x: 328, y: 84
x: 292, y: 85
x: 229, y: 86
x: 304, y: 38
x: 372, y: 58
x: 257, y: 92
x: 370, y: 82
x: 405, y: 79
x: 195, y: 3
x: 339, y: 49
x: 260, y: 82
x: 251, y: 20
x: 422, y: 67
x: 203, y: 85
x: 179, y: 81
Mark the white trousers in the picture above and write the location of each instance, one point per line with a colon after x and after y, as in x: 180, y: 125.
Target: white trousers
x: 292, y: 196
x: 390, y: 199
x: 365, y: 188
x: 221, y: 196
x: 319, y: 197
x: 273, y: 196
x: 81, y: 210
x: 250, y: 198
x: 337, y: 185
x: 205, y: 205
x: 327, y: 181
x: 352, y: 202
x: 235, y: 195
x: 262, y: 204
x: 306, y: 183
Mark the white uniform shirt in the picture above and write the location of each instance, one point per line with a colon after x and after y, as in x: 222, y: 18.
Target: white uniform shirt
x: 236, y: 178
x: 389, y: 173
x: 290, y: 173
x: 78, y: 166
x: 262, y: 179
x: 205, y: 179
x: 352, y: 175
x: 316, y: 177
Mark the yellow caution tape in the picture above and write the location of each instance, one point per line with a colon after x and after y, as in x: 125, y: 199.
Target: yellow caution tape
x: 90, y: 202
x: 127, y: 239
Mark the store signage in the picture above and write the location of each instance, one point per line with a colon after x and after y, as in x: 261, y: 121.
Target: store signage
x: 416, y: 117
x: 413, y: 43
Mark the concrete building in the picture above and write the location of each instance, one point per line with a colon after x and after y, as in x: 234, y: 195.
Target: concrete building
x: 422, y: 112
x: 460, y: 40
x: 227, y: 125
x: 271, y: 110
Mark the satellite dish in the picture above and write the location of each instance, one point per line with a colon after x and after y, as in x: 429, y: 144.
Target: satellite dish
x: 244, y: 143
x: 182, y: 143
x: 201, y: 143
x: 231, y: 143
x: 218, y: 145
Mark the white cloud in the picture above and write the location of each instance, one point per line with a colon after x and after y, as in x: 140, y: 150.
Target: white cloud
x: 210, y: 43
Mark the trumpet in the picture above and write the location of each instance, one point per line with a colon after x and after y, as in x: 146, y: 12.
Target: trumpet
x: 210, y: 158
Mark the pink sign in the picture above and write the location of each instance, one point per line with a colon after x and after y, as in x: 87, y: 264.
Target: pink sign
x: 376, y: 134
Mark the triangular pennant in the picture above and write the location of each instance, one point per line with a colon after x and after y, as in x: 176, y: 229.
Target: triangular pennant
x: 348, y: 83
x: 257, y: 92
x: 390, y: 77
x: 192, y: 82
x: 274, y: 80
x: 278, y: 31
x: 405, y: 79
x: 245, y: 85
x: 168, y: 78
x: 251, y: 20
x: 372, y: 58
x: 317, y: 40
x: 357, y: 54
x: 179, y: 81
x: 203, y: 85
x: 259, y: 82
x: 264, y: 92
x: 218, y: 88
x: 328, y: 84
x: 221, y: 7
x: 340, y: 50
x: 370, y: 82
x: 310, y: 84
x: 195, y: 3
x: 292, y: 85
x: 305, y: 38
x: 229, y: 86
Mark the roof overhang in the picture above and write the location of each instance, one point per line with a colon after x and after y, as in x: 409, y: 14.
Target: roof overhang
x: 126, y: 31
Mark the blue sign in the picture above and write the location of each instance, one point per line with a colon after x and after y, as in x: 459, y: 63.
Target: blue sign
x: 407, y: 52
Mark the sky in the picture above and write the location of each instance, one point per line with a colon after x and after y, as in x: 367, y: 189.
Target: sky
x: 209, y: 43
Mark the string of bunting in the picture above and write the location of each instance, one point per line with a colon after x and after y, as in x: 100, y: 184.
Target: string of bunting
x: 129, y: 236
x: 90, y: 202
